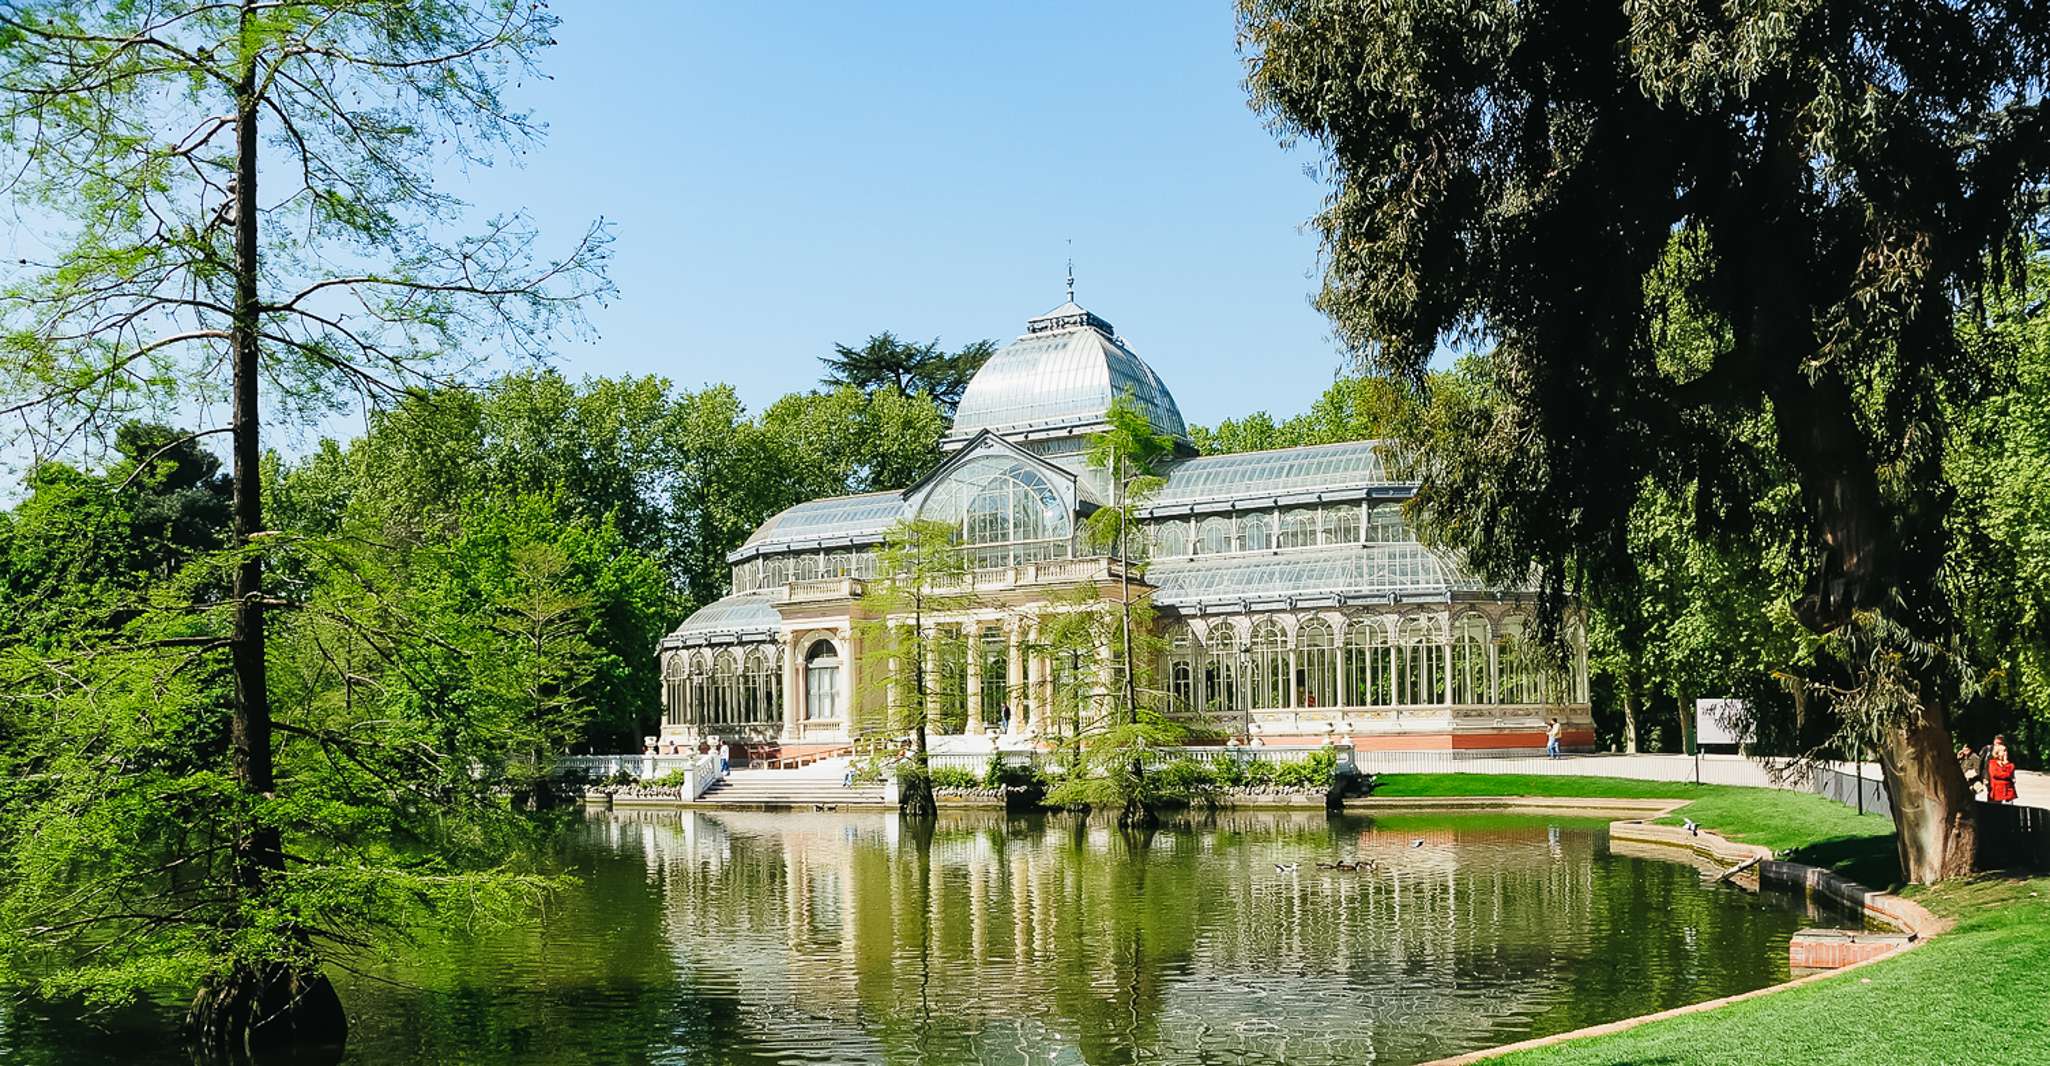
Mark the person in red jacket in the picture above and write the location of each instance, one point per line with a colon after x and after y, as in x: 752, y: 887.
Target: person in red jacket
x: 1999, y: 773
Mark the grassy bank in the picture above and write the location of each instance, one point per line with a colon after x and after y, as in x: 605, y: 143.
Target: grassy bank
x: 1973, y: 995
x: 1799, y: 826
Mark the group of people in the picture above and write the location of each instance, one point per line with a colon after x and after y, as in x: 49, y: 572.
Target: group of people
x: 1989, y: 773
x: 706, y: 746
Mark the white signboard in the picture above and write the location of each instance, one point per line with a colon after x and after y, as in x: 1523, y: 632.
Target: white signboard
x: 1722, y: 722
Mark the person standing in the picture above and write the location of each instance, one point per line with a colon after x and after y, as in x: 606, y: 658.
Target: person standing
x: 1999, y: 773
x: 725, y: 757
x: 1974, y: 766
x: 1552, y: 734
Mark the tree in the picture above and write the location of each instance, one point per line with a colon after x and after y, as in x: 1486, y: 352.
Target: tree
x: 1361, y: 407
x: 1124, y: 726
x: 1826, y: 186
x: 908, y: 369
x: 145, y: 130
x: 920, y: 571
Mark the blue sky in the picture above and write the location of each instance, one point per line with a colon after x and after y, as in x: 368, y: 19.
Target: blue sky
x: 784, y: 176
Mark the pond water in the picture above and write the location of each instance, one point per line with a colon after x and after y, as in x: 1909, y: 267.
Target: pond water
x: 761, y: 937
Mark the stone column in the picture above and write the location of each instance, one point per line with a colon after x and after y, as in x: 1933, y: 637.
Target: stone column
x: 973, y: 640
x: 850, y: 671
x: 1014, y: 677
x: 893, y: 697
x: 793, y: 717
x: 1035, y: 699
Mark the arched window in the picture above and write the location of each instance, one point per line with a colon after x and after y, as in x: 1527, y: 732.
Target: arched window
x: 1470, y: 660
x: 1256, y: 531
x: 725, y: 689
x: 1342, y: 524
x: 1216, y: 535
x: 1183, y: 655
x: 836, y: 564
x: 1270, y: 675
x: 759, y: 682
x: 1316, y: 664
x: 994, y: 683
x: 805, y: 567
x: 1221, y: 691
x: 697, y: 685
x: 1421, y: 655
x: 1513, y: 663
x: 821, y: 682
x: 1385, y: 524
x: 1006, y: 512
x: 1171, y: 537
x: 1359, y: 668
x: 675, y: 693
x: 776, y: 570
x: 1299, y: 528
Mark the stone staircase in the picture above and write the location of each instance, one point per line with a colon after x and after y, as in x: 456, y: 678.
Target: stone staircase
x: 812, y: 787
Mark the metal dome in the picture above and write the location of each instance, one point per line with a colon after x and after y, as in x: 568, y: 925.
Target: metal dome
x: 1059, y: 379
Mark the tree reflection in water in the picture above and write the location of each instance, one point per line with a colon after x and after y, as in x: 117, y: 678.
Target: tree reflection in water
x: 773, y: 937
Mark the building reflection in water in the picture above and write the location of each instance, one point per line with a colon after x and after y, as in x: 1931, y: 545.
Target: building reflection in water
x: 856, y: 936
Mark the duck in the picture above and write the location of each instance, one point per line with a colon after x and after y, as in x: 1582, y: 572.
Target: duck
x: 1692, y: 827
x: 1417, y: 843
x: 1287, y: 868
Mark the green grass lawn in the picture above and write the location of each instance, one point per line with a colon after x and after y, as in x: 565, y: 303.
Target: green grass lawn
x: 1977, y: 994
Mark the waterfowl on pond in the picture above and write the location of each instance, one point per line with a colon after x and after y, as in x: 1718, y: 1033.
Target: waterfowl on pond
x: 1288, y: 868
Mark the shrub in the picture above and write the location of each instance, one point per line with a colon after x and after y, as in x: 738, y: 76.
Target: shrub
x: 1184, y: 780
x: 672, y: 779
x: 1006, y: 775
x: 1314, y: 772
x: 953, y: 777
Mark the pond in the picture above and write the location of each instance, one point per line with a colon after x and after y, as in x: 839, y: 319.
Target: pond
x: 841, y: 937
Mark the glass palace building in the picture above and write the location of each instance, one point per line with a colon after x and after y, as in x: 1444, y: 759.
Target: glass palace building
x: 1292, y: 599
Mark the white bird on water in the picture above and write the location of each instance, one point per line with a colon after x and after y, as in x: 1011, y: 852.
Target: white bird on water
x: 1287, y: 869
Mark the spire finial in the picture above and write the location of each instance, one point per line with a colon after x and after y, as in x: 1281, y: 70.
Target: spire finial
x: 1071, y: 270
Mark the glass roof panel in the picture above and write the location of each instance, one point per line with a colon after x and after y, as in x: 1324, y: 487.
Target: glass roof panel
x: 1371, y: 569
x: 745, y: 612
x: 1066, y: 376
x: 835, y: 516
x: 1355, y: 464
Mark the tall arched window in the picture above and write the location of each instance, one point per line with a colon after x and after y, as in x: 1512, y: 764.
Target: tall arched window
x: 1342, y: 524
x: 1256, y: 531
x: 1576, y: 643
x: 759, y: 683
x: 1299, y: 528
x: 1006, y: 511
x: 821, y: 682
x: 1270, y: 678
x: 675, y: 694
x: 725, y: 689
x: 1359, y: 665
x: 1421, y: 648
x: 805, y: 567
x: 700, y: 684
x: 1183, y: 656
x: 1221, y: 690
x: 1216, y: 536
x: 776, y: 570
x: 1513, y: 663
x: 1470, y: 660
x: 1316, y: 664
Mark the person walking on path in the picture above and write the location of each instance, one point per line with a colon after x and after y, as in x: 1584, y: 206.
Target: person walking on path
x: 1999, y: 773
x: 725, y: 757
x: 1552, y: 734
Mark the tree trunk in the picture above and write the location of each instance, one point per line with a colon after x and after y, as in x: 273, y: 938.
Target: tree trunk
x: 258, y: 855
x: 1630, y: 718
x: 1935, y: 824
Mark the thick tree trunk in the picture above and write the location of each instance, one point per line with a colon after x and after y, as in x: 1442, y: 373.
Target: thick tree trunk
x: 1935, y: 823
x: 1630, y: 719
